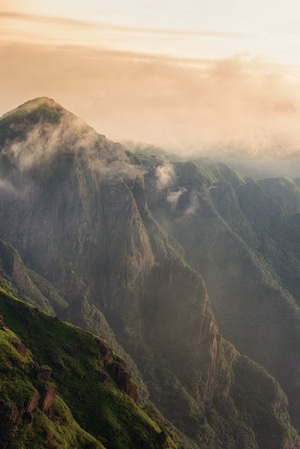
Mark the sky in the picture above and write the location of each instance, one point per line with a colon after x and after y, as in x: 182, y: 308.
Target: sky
x: 189, y: 75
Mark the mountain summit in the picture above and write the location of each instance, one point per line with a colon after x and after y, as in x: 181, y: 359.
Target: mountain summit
x: 134, y: 250
x: 40, y: 111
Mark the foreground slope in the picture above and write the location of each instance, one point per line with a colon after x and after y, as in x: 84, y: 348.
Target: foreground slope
x: 55, y: 376
x: 83, y: 214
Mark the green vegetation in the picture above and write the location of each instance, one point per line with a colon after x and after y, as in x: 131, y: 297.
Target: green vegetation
x: 25, y: 425
x: 242, y: 237
x: 84, y: 380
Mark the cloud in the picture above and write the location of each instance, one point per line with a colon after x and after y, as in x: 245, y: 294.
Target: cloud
x: 235, y: 106
x: 193, y: 206
x: 41, y: 142
x: 77, y: 24
x: 7, y: 187
x: 38, y: 142
x: 165, y: 175
x: 174, y: 196
x: 114, y: 162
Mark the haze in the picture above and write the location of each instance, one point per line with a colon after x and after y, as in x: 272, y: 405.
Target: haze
x: 191, y: 77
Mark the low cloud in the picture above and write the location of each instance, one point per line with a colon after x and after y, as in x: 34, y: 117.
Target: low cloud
x: 165, y: 175
x: 36, y: 143
x: 113, y: 162
x: 173, y: 197
x: 42, y: 141
x: 7, y: 187
x: 193, y: 206
x: 238, y: 106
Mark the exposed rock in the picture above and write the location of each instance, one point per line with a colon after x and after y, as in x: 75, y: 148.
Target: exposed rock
x: 44, y: 400
x: 122, y: 378
x: 47, y: 399
x: 20, y: 347
x: 132, y: 391
x: 119, y: 375
x: 44, y: 373
x: 120, y: 361
x: 18, y: 269
x: 162, y: 438
x: 28, y: 418
x: 104, y: 377
x: 105, y: 350
x: 33, y: 403
x: 70, y: 350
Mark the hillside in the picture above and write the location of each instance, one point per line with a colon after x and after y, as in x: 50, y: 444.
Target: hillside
x: 242, y: 236
x: 137, y: 250
x: 57, y: 380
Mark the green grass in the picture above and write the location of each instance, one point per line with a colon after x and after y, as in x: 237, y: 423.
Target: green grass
x: 86, y: 401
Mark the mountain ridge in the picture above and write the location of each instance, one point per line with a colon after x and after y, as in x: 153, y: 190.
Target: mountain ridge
x: 111, y: 233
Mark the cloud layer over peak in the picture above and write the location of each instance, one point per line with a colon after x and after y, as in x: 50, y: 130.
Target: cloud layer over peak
x: 191, y: 107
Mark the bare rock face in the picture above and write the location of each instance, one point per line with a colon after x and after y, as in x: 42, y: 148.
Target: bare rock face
x: 47, y: 399
x: 20, y: 347
x: 123, y: 378
x: 10, y: 413
x: 30, y: 412
x: 117, y: 369
x: 105, y: 350
x: 132, y: 392
x: 44, y: 373
x: 33, y: 403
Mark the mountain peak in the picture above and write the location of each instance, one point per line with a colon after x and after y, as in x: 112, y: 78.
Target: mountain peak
x: 35, y: 102
x: 41, y: 129
x: 40, y: 115
x: 38, y: 109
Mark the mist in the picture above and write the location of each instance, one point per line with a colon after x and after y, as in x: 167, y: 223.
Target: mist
x: 227, y: 109
x: 43, y: 141
x: 165, y: 175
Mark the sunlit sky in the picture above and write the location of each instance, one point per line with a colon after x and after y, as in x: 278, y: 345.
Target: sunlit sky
x: 184, y: 74
x: 193, y: 28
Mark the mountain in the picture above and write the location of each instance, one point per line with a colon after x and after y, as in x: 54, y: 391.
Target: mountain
x: 145, y: 254
x: 239, y: 233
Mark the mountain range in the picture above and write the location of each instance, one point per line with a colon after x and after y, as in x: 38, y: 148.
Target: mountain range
x: 186, y: 275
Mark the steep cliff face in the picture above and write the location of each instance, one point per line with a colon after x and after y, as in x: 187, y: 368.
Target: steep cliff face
x: 16, y: 278
x: 239, y: 234
x: 84, y: 214
x: 69, y: 207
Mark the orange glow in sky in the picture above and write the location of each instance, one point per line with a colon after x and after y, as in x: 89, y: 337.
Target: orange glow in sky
x: 193, y: 28
x: 184, y: 74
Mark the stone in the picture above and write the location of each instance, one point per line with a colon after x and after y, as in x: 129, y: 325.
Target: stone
x: 47, y: 399
x: 44, y: 373
x: 20, y: 347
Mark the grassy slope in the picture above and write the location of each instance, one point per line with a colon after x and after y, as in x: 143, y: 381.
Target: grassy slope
x: 83, y: 381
